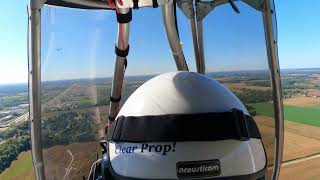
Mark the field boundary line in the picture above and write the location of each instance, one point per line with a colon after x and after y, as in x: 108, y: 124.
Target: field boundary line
x: 301, y: 159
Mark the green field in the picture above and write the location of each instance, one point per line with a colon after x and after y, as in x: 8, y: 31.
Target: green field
x: 304, y: 115
x: 20, y: 168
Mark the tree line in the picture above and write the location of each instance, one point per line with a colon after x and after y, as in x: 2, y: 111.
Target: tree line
x: 16, y: 140
x: 64, y: 128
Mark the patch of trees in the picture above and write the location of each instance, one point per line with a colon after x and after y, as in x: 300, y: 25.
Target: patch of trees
x: 296, y: 83
x: 248, y: 96
x: 11, y: 148
x: 288, y: 93
x: 67, y: 128
x: 259, y: 83
x: 17, y: 139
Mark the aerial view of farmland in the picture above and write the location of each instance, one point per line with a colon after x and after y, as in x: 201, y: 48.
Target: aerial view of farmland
x: 74, y: 113
x: 301, y: 88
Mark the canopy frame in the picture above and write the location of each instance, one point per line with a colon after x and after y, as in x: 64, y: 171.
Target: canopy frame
x: 34, y: 32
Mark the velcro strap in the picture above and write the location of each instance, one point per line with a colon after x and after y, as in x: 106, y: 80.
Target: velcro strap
x: 125, y: 63
x: 124, y: 18
x: 155, y: 3
x: 122, y: 53
x: 184, y: 127
x: 135, y: 4
x: 115, y: 100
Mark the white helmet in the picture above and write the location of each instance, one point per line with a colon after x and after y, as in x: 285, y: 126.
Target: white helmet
x: 182, y: 125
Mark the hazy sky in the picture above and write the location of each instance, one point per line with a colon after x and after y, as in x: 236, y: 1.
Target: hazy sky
x: 78, y: 43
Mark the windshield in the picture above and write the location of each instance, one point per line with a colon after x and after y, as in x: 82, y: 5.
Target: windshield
x: 78, y: 63
x: 77, y: 68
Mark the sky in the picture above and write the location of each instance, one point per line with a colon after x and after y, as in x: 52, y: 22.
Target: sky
x: 80, y: 43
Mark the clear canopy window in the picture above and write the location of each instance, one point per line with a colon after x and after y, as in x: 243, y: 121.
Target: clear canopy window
x: 77, y: 69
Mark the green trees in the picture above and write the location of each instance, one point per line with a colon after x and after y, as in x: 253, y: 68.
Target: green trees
x: 17, y: 139
x: 253, y: 96
x: 63, y: 128
x: 11, y: 148
x: 249, y: 96
x: 67, y: 128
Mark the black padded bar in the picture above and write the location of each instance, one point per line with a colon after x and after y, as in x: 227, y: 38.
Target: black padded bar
x: 115, y: 100
x: 155, y: 4
x: 184, y: 127
x: 124, y: 18
x: 122, y: 53
x: 71, y: 5
x: 135, y: 4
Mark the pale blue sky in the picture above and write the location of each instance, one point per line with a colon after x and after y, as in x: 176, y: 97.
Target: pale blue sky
x: 86, y: 40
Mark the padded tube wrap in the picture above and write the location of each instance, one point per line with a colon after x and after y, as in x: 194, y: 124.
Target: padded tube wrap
x: 124, y: 18
x: 184, y: 127
x: 122, y: 53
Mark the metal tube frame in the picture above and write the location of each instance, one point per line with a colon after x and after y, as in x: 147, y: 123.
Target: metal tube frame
x: 195, y: 43
x: 90, y: 3
x: 202, y: 66
x: 272, y: 51
x: 173, y: 38
x: 119, y: 69
x: 35, y: 85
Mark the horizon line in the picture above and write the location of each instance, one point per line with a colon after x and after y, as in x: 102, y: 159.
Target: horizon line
x: 102, y: 77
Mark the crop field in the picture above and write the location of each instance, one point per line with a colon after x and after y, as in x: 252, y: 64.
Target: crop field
x: 303, y: 115
x: 307, y: 170
x: 245, y: 86
x: 70, y: 161
x: 20, y: 168
x: 303, y: 101
x: 61, y: 161
x: 300, y: 141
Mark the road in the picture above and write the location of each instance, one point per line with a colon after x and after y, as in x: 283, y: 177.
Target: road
x: 18, y: 120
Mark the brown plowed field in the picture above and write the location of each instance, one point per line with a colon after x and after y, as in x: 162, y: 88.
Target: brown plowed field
x: 58, y: 161
x: 302, y: 101
x: 245, y: 86
x: 299, y: 141
x: 307, y: 170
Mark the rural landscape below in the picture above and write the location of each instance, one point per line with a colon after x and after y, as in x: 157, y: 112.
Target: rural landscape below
x: 74, y: 114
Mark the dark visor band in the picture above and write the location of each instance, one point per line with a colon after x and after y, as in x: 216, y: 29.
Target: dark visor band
x: 184, y: 127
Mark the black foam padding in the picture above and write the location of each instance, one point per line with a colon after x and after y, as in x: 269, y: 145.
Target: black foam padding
x: 185, y: 127
x: 124, y: 18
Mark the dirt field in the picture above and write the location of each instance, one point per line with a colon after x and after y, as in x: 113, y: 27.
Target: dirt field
x: 313, y: 92
x: 302, y: 101
x: 70, y: 161
x: 300, y: 141
x: 307, y: 170
x: 245, y: 86
x: 265, y: 125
